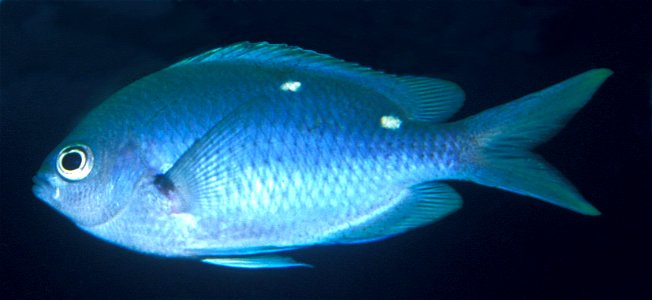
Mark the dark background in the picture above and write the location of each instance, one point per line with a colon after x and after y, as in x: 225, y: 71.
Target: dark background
x: 60, y: 59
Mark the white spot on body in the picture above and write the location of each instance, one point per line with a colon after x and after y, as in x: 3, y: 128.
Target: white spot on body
x: 390, y: 122
x: 291, y: 86
x: 57, y: 194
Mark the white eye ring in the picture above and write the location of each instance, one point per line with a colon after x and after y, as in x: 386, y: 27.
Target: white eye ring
x: 75, y: 162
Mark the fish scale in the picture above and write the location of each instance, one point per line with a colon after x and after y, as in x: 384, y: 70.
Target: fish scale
x: 392, y: 166
x: 243, y: 152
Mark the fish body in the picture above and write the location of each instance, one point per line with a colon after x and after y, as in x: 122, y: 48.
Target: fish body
x: 253, y: 149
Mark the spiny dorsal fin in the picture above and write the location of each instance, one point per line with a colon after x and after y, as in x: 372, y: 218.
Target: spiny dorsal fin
x: 277, y: 54
x: 422, y: 98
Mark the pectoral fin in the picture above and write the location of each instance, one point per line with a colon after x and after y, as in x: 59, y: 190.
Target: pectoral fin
x: 256, y: 262
x: 201, y: 174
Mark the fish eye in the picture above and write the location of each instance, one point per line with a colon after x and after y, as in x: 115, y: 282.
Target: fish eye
x: 75, y: 162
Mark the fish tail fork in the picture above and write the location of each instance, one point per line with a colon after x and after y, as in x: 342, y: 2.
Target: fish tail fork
x: 504, y: 136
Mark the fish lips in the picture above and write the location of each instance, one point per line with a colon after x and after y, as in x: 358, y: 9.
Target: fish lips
x: 46, y: 190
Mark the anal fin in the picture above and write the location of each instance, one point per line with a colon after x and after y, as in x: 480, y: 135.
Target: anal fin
x: 425, y: 203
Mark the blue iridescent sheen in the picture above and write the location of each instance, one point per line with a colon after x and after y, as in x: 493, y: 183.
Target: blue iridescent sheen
x: 253, y: 149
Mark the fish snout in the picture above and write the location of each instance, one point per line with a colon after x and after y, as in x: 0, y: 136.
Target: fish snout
x: 45, y: 189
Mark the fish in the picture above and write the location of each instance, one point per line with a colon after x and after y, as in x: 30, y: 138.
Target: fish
x: 237, y: 155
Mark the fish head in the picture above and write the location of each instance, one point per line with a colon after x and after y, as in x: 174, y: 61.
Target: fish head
x: 89, y: 177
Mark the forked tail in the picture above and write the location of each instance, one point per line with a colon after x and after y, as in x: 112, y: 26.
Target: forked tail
x: 506, y: 134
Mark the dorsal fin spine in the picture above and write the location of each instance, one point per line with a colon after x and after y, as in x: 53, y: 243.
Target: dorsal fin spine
x: 421, y: 98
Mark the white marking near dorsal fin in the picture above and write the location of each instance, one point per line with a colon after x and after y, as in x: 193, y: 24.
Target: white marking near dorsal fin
x: 422, y: 98
x: 390, y: 122
x: 291, y: 86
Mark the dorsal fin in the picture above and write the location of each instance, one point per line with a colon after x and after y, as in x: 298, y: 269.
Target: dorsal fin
x: 431, y: 99
x: 422, y: 98
x: 277, y: 54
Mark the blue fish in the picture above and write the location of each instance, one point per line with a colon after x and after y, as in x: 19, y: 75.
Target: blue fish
x: 242, y: 152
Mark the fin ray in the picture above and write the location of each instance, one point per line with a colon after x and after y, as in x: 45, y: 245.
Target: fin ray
x: 201, y: 173
x: 256, y: 262
x: 505, y: 134
x: 424, y: 203
x: 422, y: 98
x: 431, y: 99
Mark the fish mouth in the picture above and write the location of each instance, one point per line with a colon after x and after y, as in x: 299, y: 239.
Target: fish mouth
x: 44, y: 189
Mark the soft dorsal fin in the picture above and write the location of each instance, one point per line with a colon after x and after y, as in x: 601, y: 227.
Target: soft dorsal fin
x: 422, y: 98
x: 431, y: 99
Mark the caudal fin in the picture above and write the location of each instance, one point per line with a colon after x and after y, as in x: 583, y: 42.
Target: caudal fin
x: 506, y: 134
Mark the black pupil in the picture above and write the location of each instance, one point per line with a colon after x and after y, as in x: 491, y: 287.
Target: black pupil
x: 71, y: 161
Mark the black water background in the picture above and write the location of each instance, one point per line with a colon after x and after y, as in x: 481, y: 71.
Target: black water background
x: 60, y: 59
